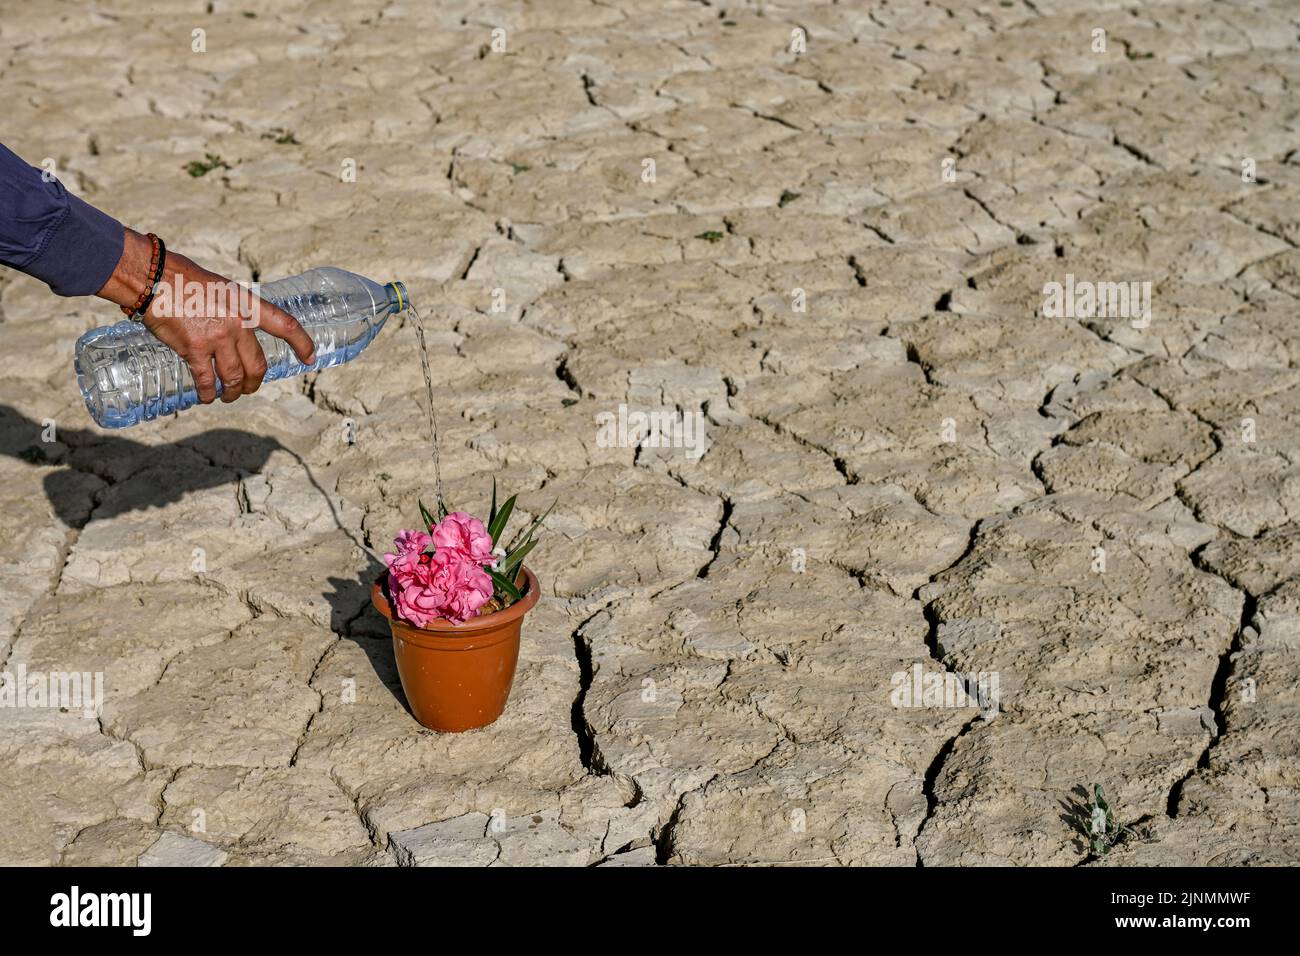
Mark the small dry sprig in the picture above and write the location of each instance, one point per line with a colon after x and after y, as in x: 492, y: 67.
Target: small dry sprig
x: 201, y: 167
x: 1094, y: 820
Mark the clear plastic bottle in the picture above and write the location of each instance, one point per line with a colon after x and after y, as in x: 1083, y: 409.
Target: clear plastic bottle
x: 127, y: 376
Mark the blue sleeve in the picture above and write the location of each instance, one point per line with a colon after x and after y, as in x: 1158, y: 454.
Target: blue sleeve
x: 50, y: 234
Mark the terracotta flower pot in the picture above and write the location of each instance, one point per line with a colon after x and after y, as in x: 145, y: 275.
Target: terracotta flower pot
x: 457, y: 676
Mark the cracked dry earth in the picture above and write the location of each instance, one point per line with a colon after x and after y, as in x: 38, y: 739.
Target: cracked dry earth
x: 948, y: 459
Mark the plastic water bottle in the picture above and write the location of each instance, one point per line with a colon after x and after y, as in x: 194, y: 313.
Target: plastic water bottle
x: 127, y: 376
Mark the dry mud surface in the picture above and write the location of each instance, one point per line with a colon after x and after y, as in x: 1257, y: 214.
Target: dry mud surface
x: 919, y: 469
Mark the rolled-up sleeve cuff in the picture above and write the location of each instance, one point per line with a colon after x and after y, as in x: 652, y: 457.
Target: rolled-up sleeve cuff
x: 81, y: 252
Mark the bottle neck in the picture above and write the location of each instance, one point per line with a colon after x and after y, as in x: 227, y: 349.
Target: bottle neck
x: 398, y: 299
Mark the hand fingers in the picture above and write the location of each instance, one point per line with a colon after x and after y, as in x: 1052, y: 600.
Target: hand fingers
x: 251, y: 357
x: 231, y: 371
x: 205, y: 383
x: 282, y: 325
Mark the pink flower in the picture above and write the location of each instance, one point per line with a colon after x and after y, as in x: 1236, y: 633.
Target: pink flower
x: 410, y: 545
x: 416, y: 605
x: 469, y: 587
x: 447, y: 584
x: 464, y: 534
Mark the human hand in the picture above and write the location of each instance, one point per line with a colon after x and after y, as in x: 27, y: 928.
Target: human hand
x: 206, y: 319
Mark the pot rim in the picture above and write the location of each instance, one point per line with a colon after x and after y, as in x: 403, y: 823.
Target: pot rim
x: 474, y: 627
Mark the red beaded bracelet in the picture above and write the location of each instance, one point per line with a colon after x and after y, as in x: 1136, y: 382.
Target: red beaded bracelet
x: 156, y: 264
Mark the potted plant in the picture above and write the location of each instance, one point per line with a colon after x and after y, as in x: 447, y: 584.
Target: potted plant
x: 455, y: 599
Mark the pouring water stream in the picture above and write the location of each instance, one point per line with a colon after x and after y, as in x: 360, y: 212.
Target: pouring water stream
x: 433, y: 421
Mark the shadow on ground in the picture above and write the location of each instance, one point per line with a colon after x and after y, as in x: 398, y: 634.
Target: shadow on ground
x: 112, y: 457
x: 227, y: 455
x: 353, y: 618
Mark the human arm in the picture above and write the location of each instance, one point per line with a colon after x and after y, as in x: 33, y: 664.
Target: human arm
x: 58, y: 238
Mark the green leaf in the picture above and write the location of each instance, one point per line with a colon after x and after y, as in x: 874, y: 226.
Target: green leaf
x: 443, y: 510
x: 503, y: 583
x: 498, y: 522
x: 492, y: 514
x: 428, y: 518
x: 516, y: 558
x: 528, y: 532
